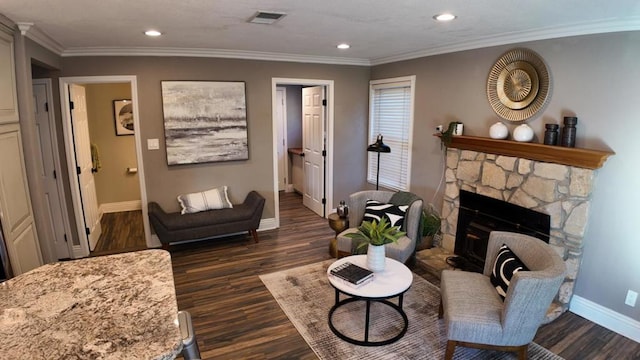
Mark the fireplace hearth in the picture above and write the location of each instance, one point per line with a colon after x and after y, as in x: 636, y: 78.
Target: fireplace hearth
x: 479, y: 215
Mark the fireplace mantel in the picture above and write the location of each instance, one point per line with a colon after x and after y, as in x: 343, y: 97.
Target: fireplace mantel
x: 583, y: 158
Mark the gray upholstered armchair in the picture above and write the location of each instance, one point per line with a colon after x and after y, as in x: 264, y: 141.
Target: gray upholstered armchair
x: 476, y: 316
x: 405, y: 247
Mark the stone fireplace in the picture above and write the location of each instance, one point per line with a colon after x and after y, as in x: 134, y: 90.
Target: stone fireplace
x: 479, y: 215
x: 550, y: 180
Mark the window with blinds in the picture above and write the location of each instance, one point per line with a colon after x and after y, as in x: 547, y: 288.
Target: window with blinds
x: 391, y: 115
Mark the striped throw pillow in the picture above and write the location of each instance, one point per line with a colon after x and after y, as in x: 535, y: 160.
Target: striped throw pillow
x: 375, y: 210
x: 206, y: 200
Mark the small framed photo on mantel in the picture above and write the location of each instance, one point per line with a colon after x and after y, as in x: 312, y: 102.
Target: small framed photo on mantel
x: 123, y: 116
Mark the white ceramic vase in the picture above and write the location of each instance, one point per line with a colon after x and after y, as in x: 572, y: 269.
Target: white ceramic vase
x: 523, y: 133
x: 498, y: 131
x: 375, y: 258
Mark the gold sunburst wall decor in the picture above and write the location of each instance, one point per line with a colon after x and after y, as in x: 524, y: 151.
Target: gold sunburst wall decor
x: 518, y: 85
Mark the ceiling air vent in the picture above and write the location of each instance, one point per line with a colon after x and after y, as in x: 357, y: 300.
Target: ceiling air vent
x: 266, y: 17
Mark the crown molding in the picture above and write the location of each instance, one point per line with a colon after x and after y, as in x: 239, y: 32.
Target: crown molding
x: 213, y: 53
x: 519, y: 37
x: 34, y: 33
x: 607, y: 26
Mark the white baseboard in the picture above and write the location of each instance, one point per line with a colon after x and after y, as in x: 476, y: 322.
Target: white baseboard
x: 607, y: 318
x: 154, y: 242
x: 121, y: 206
x: 267, y: 224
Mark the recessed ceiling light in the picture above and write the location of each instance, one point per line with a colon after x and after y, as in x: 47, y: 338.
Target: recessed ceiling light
x: 444, y: 17
x: 343, y: 46
x: 152, y: 33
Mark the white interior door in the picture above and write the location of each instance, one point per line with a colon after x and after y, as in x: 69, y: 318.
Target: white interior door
x: 281, y: 115
x: 83, y: 160
x: 313, y: 130
x: 48, y: 169
x: 15, y: 204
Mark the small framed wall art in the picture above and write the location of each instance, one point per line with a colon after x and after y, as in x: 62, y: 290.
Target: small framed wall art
x: 204, y: 121
x: 123, y: 116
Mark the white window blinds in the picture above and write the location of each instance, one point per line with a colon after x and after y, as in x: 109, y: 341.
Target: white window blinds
x: 391, y: 115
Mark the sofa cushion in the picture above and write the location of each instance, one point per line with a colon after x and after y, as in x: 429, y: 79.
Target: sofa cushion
x: 507, y: 264
x: 376, y: 210
x: 205, y: 200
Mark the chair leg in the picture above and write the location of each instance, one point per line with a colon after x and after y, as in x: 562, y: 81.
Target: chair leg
x: 451, y: 348
x: 440, y: 310
x: 254, y: 233
x: 522, y: 352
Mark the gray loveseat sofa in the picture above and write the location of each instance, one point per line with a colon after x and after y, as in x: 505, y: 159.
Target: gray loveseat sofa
x: 173, y: 227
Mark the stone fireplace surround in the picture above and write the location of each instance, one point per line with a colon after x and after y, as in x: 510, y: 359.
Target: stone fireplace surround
x: 562, y: 191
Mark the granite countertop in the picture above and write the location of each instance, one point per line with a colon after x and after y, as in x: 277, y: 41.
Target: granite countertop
x: 110, y: 307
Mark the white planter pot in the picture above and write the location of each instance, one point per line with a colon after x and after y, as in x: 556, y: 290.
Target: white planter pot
x: 375, y: 258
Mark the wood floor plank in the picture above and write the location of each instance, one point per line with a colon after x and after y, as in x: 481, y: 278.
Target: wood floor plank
x: 235, y: 316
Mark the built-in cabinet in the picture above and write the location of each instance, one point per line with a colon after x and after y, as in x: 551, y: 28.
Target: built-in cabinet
x: 8, y: 98
x: 16, y: 214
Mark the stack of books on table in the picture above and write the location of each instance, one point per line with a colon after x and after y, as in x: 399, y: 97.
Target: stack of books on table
x: 352, y: 274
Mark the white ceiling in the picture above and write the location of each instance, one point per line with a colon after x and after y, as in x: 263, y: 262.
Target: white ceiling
x: 379, y: 31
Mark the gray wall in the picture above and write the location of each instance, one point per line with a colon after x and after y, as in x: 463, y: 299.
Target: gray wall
x: 294, y: 116
x: 164, y: 183
x: 117, y: 153
x: 594, y: 77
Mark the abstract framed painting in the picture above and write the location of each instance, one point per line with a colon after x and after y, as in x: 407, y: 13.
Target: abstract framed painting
x: 204, y: 121
x: 123, y: 117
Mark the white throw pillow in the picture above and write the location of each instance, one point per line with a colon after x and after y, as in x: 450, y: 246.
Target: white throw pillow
x: 206, y: 200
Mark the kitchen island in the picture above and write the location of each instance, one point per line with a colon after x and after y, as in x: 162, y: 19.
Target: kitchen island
x: 111, y: 307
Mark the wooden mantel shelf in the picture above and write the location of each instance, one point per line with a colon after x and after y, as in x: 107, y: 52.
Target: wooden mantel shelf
x: 584, y: 158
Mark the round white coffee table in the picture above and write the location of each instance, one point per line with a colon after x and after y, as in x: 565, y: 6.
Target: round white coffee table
x: 394, y: 281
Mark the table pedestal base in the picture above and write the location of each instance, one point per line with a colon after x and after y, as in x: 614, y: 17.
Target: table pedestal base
x: 366, y: 342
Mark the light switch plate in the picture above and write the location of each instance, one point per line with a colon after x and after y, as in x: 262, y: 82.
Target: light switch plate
x: 153, y: 144
x: 632, y: 296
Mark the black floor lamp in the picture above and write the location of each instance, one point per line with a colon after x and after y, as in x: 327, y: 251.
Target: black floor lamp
x: 378, y: 147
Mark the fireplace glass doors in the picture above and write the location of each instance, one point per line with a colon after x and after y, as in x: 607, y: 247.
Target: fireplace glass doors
x: 479, y: 215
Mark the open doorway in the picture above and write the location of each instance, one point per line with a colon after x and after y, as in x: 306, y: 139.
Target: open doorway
x: 105, y: 163
x: 309, y: 153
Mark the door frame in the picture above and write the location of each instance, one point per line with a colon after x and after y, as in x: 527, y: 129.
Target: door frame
x: 53, y: 131
x: 329, y: 118
x: 83, y: 249
x: 282, y: 135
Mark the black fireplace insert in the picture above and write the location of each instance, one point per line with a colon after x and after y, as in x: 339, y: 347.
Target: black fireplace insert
x: 479, y: 215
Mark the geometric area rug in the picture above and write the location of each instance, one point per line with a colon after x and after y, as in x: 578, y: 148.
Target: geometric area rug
x: 305, y: 296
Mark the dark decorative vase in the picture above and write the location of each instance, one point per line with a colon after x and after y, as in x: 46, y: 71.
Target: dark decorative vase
x: 569, y: 131
x: 551, y: 134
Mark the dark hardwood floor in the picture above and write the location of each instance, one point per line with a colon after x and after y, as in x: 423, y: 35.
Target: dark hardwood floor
x: 121, y: 232
x: 235, y: 316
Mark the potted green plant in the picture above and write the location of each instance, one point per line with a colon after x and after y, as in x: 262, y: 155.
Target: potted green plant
x: 375, y: 235
x: 430, y: 224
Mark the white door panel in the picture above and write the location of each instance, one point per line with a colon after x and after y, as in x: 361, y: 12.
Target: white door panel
x: 24, y: 251
x: 47, y: 169
x: 83, y: 156
x: 15, y: 204
x: 8, y: 98
x: 15, y: 196
x: 313, y: 130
